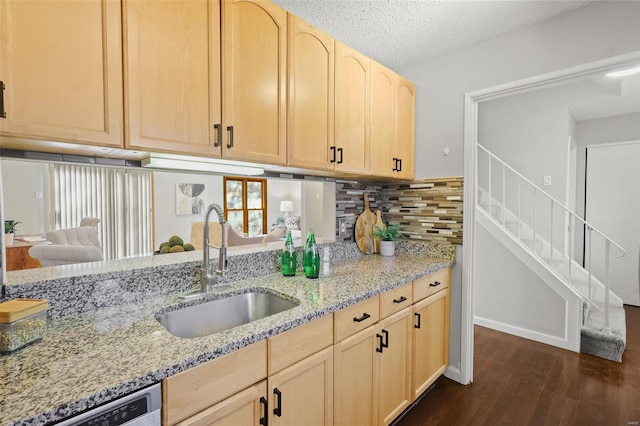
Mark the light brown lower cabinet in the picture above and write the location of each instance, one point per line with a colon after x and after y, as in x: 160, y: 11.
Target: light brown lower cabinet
x: 373, y: 372
x: 395, y: 366
x: 430, y: 340
x: 248, y: 407
x: 303, y: 393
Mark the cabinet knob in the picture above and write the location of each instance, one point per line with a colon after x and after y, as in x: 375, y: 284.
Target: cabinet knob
x: 340, y: 152
x: 264, y: 420
x: 3, y: 113
x: 230, y: 130
x: 400, y: 300
x: 333, y: 154
x: 278, y: 408
x: 419, y: 318
x: 218, y: 139
x: 435, y: 284
x: 380, y: 343
x: 362, y: 318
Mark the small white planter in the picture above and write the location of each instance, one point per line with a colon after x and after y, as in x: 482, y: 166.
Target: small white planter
x: 387, y: 248
x: 8, y: 240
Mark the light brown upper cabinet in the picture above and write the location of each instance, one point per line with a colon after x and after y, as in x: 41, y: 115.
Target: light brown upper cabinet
x: 311, y: 97
x: 405, y: 128
x: 254, y: 71
x: 172, y: 75
x: 383, y: 88
x: 328, y: 102
x: 392, y: 124
x: 186, y: 94
x: 352, y: 109
x: 60, y: 62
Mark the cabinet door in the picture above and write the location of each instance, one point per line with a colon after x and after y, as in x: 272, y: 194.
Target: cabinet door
x: 303, y: 393
x: 247, y: 407
x: 254, y: 67
x: 356, y: 379
x: 430, y: 340
x: 383, y: 87
x: 172, y: 75
x: 395, y: 366
x: 405, y: 128
x: 310, y: 100
x: 61, y: 63
x: 352, y: 110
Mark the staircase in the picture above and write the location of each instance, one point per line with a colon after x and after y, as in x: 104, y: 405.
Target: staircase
x: 528, y: 220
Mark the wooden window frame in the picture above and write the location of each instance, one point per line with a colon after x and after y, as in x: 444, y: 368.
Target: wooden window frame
x: 245, y: 209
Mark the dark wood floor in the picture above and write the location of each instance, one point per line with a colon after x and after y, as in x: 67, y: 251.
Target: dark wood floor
x: 521, y: 382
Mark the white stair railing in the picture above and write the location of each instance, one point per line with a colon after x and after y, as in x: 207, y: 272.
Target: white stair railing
x: 538, y: 223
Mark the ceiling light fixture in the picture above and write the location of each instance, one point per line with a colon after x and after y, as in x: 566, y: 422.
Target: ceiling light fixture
x: 201, y: 166
x: 624, y: 73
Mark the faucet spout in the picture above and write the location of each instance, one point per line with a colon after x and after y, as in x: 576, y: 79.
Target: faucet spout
x: 206, y: 277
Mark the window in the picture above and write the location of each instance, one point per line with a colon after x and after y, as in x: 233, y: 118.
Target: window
x: 245, y: 204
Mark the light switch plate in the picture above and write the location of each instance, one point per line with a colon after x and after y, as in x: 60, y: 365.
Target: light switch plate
x: 547, y: 181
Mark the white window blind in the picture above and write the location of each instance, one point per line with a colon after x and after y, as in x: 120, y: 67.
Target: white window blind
x: 120, y: 198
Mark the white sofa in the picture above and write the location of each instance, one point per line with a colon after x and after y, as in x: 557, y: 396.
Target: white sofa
x: 71, y: 245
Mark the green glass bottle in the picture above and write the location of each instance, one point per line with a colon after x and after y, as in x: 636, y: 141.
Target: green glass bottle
x: 288, y: 258
x: 311, y: 257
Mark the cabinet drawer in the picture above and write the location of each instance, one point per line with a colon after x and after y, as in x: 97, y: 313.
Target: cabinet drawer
x: 293, y: 345
x: 433, y: 283
x: 200, y: 387
x: 349, y: 321
x: 394, y: 300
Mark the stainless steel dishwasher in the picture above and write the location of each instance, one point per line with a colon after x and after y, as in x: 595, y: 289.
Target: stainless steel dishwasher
x: 141, y: 408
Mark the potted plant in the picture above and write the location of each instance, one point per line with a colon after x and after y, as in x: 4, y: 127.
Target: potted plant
x: 388, y: 237
x: 9, y: 229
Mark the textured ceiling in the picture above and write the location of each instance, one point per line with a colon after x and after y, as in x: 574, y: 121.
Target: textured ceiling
x: 403, y: 33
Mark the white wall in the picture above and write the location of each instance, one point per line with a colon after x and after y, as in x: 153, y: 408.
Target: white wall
x: 167, y: 222
x: 516, y: 297
x: 23, y: 183
x: 595, y: 31
x: 592, y: 32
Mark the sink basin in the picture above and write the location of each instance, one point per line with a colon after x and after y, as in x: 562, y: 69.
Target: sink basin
x: 222, y: 314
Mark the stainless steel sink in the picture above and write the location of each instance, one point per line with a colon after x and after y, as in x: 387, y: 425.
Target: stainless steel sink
x: 222, y: 314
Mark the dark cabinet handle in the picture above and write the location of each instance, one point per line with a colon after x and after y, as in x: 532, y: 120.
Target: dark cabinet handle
x: 230, y: 129
x: 362, y: 318
x: 264, y: 421
x: 278, y: 410
x: 402, y: 299
x: 386, y: 338
x: 333, y: 154
x: 399, y: 167
x: 419, y: 318
x: 395, y: 164
x: 218, y: 140
x: 435, y: 284
x: 340, y: 152
x: 3, y: 113
x: 380, y: 343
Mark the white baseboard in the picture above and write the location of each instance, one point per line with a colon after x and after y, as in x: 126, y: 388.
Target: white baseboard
x: 454, y: 374
x: 526, y: 333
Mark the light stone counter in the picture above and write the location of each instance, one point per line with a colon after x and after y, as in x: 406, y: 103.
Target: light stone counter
x: 109, y: 352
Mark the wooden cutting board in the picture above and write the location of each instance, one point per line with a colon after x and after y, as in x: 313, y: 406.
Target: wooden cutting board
x: 379, y: 224
x: 364, y: 228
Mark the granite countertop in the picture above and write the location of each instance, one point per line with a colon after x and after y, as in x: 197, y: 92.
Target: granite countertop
x: 98, y: 356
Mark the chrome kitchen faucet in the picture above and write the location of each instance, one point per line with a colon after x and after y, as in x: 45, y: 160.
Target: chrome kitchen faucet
x: 206, y: 277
